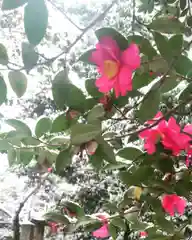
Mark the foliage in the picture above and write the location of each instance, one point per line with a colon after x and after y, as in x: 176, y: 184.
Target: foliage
x: 101, y: 131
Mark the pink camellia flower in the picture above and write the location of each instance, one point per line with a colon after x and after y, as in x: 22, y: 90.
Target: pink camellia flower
x: 53, y: 226
x: 188, y: 144
x: 172, y: 138
x: 173, y: 203
x: 151, y: 135
x: 102, y: 232
x: 115, y: 66
x: 143, y: 234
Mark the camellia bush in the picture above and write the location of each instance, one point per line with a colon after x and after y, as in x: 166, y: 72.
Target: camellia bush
x: 123, y: 125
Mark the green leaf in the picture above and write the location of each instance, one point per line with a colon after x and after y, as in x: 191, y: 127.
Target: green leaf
x: 144, y: 45
x: 164, y: 224
x: 186, y: 93
x: 176, y: 44
x: 82, y: 133
x: 18, y: 82
x: 130, y: 153
x: 92, y: 89
x: 31, y: 141
x: 96, y: 113
x: 35, y: 20
x: 56, y: 216
x: 11, y: 155
x: 3, y: 90
x: 167, y: 24
x: 24, y: 156
x: 3, y: 55
x: 141, y: 175
x: 10, y: 4
x: 85, y: 57
x: 106, y: 149
x: 4, y: 145
x: 141, y: 80
x: 113, y: 231
x: 60, y: 140
x: 148, y: 110
x: 120, y: 39
x: 183, y: 65
x: 118, y: 222
x: 169, y: 83
x: 29, y: 56
x: 73, y: 207
x: 61, y: 123
x: 19, y: 126
x: 63, y: 160
x: 189, y: 21
x: 162, y: 45
x: 43, y: 126
x: 183, y: 4
x: 65, y: 93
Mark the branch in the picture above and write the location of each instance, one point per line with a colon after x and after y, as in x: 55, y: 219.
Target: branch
x: 16, y: 225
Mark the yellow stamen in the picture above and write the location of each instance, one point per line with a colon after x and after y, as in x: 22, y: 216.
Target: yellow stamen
x: 111, y: 68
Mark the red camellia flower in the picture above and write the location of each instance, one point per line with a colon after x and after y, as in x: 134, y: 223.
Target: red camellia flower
x: 173, y: 203
x: 143, y: 234
x: 115, y: 66
x: 102, y: 232
x: 188, y: 144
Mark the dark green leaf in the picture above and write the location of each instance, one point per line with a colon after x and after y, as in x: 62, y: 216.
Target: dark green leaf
x: 119, y: 222
x: 11, y: 4
x: 3, y: 55
x: 149, y: 105
x: 56, y: 216
x: 167, y: 25
x: 73, y: 208
x: 3, y: 90
x: 176, y: 44
x: 35, y: 20
x: 61, y: 123
x: 144, y: 45
x: 130, y: 153
x: 43, y: 126
x: 29, y: 56
x: 183, y: 65
x: 20, y: 126
x: 63, y: 160
x: 85, y: 57
x: 186, y: 93
x: 169, y: 83
x: 107, y: 150
x: 92, y: 89
x: 162, y: 45
x: 189, y: 21
x: 82, y: 133
x: 96, y: 113
x: 18, y: 82
x: 164, y: 224
x: 183, y: 4
x: 65, y: 93
x: 141, y: 80
x: 113, y: 231
x: 120, y: 39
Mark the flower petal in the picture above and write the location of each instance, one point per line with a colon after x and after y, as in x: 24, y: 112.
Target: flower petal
x: 131, y: 57
x: 104, y: 84
x: 125, y: 80
x: 102, y: 232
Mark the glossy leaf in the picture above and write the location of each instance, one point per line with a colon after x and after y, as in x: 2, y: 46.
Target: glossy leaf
x: 82, y: 133
x: 3, y: 90
x: 170, y: 83
x: 4, y: 145
x: 24, y: 156
x: 73, y: 207
x: 85, y: 57
x: 10, y: 4
x: 18, y: 82
x: 29, y: 56
x: 176, y: 44
x: 63, y: 160
x: 92, y: 89
x: 56, y: 216
x: 167, y: 25
x: 35, y: 20
x: 119, y: 38
x: 3, y: 55
x: 43, y: 126
x: 61, y: 123
x: 141, y: 80
x: 183, y: 65
x: 96, y: 113
x: 19, y: 126
x: 130, y: 153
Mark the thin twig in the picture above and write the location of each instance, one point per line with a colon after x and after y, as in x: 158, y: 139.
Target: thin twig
x: 16, y: 225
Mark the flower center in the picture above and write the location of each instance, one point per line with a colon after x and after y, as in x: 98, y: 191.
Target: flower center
x: 111, y: 68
